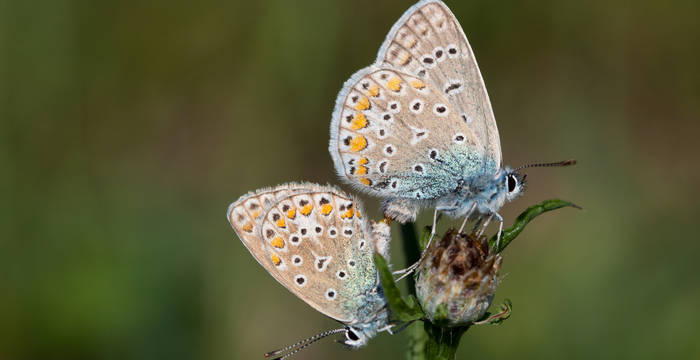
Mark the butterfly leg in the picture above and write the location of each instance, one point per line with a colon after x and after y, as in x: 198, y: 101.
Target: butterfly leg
x: 483, y: 227
x: 466, y: 217
x: 390, y: 328
x: 500, y: 228
x: 499, y: 218
x: 405, y: 272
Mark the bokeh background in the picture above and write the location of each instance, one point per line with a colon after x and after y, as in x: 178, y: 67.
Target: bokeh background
x: 127, y: 127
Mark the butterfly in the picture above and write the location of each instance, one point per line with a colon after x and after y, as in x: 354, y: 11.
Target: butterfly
x: 315, y: 241
x: 417, y: 128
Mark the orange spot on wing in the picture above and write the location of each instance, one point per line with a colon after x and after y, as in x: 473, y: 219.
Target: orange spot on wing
x: 361, y: 170
x: 359, y: 216
x: 275, y: 259
x: 362, y: 161
x: 366, y: 181
x: 417, y: 84
x: 256, y: 213
x: 292, y: 213
x: 359, y: 122
x: 373, y: 90
x: 358, y: 143
x: 362, y: 104
x: 248, y: 227
x: 281, y: 223
x: 394, y: 84
x: 348, y: 214
x: 306, y: 210
x: 326, y: 209
x: 277, y: 242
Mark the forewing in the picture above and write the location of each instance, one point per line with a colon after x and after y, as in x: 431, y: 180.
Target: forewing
x: 318, y: 246
x: 429, y: 41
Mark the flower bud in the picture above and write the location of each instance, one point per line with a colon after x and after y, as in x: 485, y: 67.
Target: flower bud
x: 458, y: 279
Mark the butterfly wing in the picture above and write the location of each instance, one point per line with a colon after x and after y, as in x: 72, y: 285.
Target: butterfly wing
x: 428, y: 38
x: 316, y: 244
x: 246, y: 214
x: 419, y: 119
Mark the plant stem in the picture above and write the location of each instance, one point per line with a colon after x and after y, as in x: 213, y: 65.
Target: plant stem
x: 411, y: 251
x: 418, y: 337
x: 442, y: 341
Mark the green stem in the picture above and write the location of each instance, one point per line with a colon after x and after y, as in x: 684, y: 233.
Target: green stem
x: 411, y: 251
x: 417, y: 336
x: 442, y: 341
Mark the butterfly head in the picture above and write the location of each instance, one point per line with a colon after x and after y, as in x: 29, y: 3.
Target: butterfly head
x: 358, y: 334
x: 355, y: 337
x: 513, y: 184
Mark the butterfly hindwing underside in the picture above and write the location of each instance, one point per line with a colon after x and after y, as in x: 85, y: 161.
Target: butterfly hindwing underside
x: 314, y: 241
x: 415, y: 121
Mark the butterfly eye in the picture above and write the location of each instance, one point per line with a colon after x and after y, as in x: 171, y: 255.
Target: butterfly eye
x: 512, y: 183
x: 351, y: 335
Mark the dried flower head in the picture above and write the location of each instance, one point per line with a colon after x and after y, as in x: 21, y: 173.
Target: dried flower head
x: 458, y: 279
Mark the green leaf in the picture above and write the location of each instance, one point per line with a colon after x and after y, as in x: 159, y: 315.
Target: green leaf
x: 400, y: 309
x: 530, y: 213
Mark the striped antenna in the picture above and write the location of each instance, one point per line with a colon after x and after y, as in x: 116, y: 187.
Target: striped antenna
x: 558, y: 163
x: 300, y: 345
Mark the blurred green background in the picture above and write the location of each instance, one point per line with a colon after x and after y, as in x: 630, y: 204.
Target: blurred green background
x: 127, y: 127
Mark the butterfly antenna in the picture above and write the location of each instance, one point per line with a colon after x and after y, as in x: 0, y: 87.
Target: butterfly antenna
x: 558, y: 163
x: 301, y: 344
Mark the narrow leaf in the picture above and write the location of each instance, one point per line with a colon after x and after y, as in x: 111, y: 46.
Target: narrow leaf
x: 523, y: 219
x: 400, y: 310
